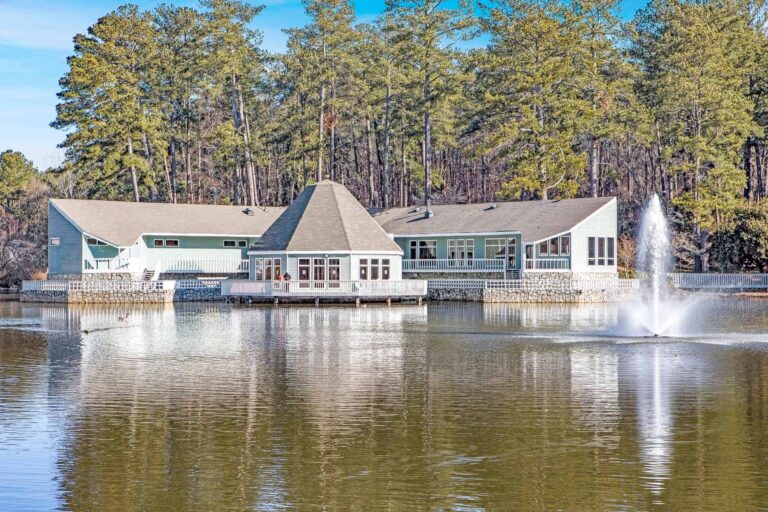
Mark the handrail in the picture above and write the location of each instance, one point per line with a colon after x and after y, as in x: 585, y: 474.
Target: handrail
x: 455, y: 265
x: 715, y: 281
x: 203, y: 266
x: 384, y: 288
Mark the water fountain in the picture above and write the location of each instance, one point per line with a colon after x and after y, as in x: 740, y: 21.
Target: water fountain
x: 654, y: 257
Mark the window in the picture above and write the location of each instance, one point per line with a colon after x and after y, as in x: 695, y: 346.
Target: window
x: 158, y: 243
x: 56, y: 241
x: 611, y: 251
x: 385, y: 269
x: 334, y: 269
x: 565, y: 245
x: 495, y: 248
x: 511, y: 253
x: 303, y: 269
x: 461, y: 249
x: 171, y: 243
x: 258, y: 269
x: 318, y: 269
x: 230, y: 243
x: 601, y: 251
x: 374, y: 269
x: 93, y: 241
x: 554, y: 247
x: 242, y: 243
x: 363, y: 269
x: 423, y: 249
x: 543, y: 246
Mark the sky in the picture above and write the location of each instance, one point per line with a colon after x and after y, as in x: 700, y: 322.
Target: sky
x: 36, y: 39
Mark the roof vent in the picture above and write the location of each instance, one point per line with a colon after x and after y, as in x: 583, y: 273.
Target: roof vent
x: 249, y: 212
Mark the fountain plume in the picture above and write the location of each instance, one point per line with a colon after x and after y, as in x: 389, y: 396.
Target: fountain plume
x: 654, y: 260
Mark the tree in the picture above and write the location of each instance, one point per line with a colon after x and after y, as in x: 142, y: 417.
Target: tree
x: 104, y: 104
x: 426, y: 31
x: 532, y: 103
x: 742, y: 244
x: 697, y: 59
x: 16, y: 172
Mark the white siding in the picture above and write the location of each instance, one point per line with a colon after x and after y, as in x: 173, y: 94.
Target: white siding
x: 601, y: 223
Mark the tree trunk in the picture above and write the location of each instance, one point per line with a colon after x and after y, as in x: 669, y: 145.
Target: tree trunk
x: 369, y: 163
x: 151, y: 162
x: 385, y: 168
x: 173, y: 169
x: 134, y: 177
x: 321, y: 129
x: 594, y: 150
x: 426, y: 157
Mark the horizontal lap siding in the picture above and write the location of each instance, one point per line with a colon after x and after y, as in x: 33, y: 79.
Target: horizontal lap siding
x: 442, y: 244
x: 67, y: 258
x: 602, y: 223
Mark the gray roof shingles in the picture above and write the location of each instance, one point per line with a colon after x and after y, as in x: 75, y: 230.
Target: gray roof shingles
x: 326, y: 217
x: 535, y: 220
x: 122, y: 223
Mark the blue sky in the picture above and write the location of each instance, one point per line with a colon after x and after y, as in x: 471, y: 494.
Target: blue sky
x: 36, y: 38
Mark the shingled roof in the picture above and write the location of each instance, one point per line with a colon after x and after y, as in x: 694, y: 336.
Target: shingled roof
x: 535, y: 220
x: 122, y: 223
x: 326, y: 217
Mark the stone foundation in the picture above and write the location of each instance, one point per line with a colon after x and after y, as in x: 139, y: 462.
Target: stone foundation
x: 100, y: 297
x: 552, y: 296
x: 456, y: 294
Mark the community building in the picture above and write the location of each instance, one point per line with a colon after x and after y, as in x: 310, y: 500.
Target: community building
x: 116, y: 240
x: 327, y: 235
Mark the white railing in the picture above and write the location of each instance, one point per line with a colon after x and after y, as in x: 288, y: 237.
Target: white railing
x: 454, y: 265
x: 548, y: 264
x: 719, y: 281
x: 97, y: 286
x: 117, y: 264
x: 407, y: 288
x: 522, y: 284
x: 203, y: 266
x: 197, y: 284
x: 455, y: 284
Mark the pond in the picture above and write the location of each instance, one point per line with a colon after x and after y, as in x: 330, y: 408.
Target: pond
x: 441, y: 406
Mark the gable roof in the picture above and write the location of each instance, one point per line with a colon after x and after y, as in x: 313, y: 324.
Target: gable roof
x: 121, y: 223
x: 535, y: 220
x: 326, y: 217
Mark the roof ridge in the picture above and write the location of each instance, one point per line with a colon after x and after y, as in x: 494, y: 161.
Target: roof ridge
x: 343, y: 219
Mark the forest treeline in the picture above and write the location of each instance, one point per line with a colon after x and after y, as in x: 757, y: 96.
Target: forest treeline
x: 449, y: 101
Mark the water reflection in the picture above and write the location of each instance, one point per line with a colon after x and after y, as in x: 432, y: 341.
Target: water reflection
x: 447, y: 406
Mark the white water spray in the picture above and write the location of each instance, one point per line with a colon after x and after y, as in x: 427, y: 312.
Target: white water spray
x: 654, y: 258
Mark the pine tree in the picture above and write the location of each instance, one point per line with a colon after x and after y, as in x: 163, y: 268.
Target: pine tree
x: 104, y: 103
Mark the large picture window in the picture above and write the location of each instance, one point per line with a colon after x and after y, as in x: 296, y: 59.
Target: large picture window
x: 495, y: 248
x: 266, y: 269
x: 601, y: 251
x: 423, y: 249
x: 374, y: 269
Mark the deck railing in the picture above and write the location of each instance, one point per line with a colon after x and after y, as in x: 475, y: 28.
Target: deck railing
x: 405, y: 288
x: 516, y: 284
x: 109, y: 264
x: 719, y: 281
x: 454, y: 265
x: 548, y: 264
x: 203, y: 266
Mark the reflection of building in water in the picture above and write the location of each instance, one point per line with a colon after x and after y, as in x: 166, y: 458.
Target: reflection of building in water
x: 173, y: 398
x: 561, y: 317
x: 595, y: 392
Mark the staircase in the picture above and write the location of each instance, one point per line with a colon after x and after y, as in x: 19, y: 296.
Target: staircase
x: 149, y: 275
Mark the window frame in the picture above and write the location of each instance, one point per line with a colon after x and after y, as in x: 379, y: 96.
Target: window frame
x: 158, y: 242
x: 172, y: 242
x: 54, y: 241
x: 592, y: 251
x: 225, y: 242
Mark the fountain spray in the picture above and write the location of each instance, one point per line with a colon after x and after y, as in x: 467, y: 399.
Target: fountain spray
x: 654, y: 258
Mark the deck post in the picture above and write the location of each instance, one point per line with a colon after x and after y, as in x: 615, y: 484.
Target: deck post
x: 418, y: 300
x: 357, y: 302
x: 317, y: 302
x: 389, y: 301
x: 276, y: 301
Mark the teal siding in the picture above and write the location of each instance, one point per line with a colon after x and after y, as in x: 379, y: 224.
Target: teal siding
x: 66, y: 258
x: 442, y: 244
x: 198, y: 247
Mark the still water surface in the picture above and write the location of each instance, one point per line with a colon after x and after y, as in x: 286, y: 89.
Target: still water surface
x: 446, y: 406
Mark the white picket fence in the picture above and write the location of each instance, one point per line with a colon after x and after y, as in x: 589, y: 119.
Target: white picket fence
x: 713, y: 281
x: 522, y: 284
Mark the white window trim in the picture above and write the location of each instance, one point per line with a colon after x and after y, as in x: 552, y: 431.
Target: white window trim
x: 225, y: 246
x: 54, y: 241
x: 171, y: 240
